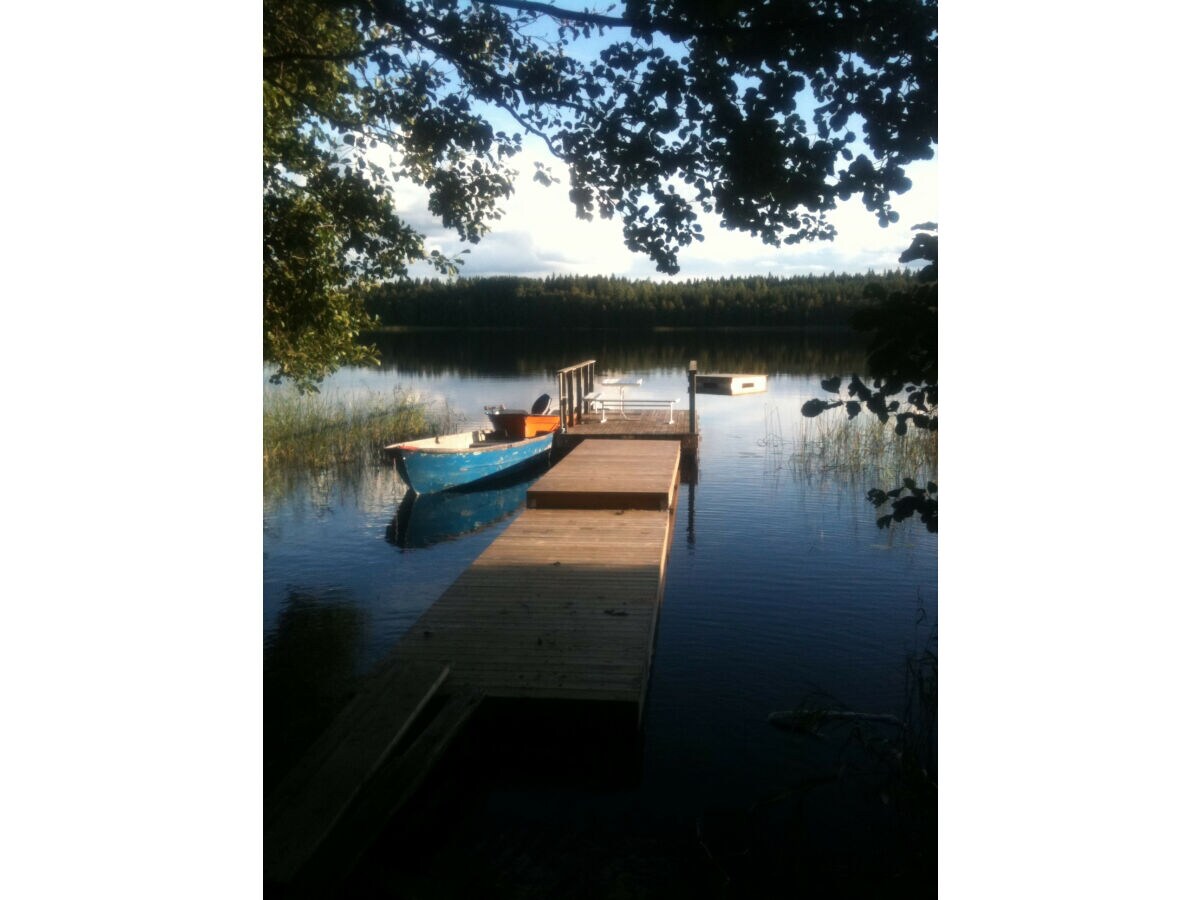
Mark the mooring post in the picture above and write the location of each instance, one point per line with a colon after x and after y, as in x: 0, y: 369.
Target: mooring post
x: 692, y: 397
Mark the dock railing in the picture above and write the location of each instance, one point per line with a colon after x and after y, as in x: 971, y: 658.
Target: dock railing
x: 575, y: 383
x: 620, y: 404
x: 577, y: 394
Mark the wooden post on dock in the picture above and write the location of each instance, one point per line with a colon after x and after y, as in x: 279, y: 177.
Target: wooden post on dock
x: 574, y: 384
x: 562, y: 409
x: 692, y: 397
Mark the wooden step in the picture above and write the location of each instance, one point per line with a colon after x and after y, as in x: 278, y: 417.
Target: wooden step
x: 316, y: 794
x: 393, y: 785
x: 601, y: 474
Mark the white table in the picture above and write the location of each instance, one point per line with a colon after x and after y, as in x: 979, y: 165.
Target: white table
x: 621, y: 384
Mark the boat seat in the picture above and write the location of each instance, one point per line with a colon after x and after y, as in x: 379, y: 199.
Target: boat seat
x: 541, y: 406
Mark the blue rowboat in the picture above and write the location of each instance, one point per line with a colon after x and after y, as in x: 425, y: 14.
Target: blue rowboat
x: 470, y: 457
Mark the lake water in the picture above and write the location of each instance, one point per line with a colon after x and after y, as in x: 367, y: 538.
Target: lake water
x: 781, y: 592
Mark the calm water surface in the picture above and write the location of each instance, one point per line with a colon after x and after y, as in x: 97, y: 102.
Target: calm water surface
x: 781, y: 591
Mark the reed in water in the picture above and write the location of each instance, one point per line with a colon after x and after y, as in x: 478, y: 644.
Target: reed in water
x: 317, y: 431
x: 834, y: 443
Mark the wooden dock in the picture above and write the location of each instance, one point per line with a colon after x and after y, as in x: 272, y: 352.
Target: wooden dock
x: 562, y: 606
x: 619, y: 420
x: 634, y: 425
x: 564, y: 603
x: 610, y: 475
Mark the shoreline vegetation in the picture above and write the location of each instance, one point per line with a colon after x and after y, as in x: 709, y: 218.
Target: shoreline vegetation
x: 309, y: 432
x: 609, y: 302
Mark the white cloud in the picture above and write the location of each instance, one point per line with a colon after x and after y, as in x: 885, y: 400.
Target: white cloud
x: 540, y: 235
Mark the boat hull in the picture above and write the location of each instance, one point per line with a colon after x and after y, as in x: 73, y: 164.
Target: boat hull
x: 439, y: 464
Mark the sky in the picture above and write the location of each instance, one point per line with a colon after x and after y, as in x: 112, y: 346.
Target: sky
x: 540, y: 235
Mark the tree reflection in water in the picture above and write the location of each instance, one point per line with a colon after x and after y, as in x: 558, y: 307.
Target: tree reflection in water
x: 308, y: 675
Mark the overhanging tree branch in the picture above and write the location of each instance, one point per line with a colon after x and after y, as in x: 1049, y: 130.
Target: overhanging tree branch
x: 788, y: 17
x: 584, y: 17
x: 490, y: 77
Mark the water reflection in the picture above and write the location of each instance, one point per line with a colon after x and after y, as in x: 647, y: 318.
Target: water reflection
x: 425, y: 519
x: 502, y: 353
x: 319, y: 492
x: 309, y: 664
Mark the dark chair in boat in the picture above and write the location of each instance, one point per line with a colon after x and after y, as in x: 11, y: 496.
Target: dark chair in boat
x: 541, y: 406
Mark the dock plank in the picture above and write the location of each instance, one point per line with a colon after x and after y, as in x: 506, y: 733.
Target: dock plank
x: 563, y: 604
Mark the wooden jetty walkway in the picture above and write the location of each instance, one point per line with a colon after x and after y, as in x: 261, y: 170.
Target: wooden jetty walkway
x: 563, y: 605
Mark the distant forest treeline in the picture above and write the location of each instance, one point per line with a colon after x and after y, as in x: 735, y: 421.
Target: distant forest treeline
x: 619, y: 303
x: 527, y: 352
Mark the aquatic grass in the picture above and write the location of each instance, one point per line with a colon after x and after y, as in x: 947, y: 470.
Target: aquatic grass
x: 319, y: 431
x: 859, y: 447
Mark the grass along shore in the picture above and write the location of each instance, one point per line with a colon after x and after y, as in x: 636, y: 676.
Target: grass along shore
x: 320, y: 431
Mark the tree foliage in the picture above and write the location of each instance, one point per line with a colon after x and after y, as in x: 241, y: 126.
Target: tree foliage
x: 766, y: 114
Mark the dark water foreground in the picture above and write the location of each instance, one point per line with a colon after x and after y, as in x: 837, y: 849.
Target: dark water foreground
x: 781, y: 593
